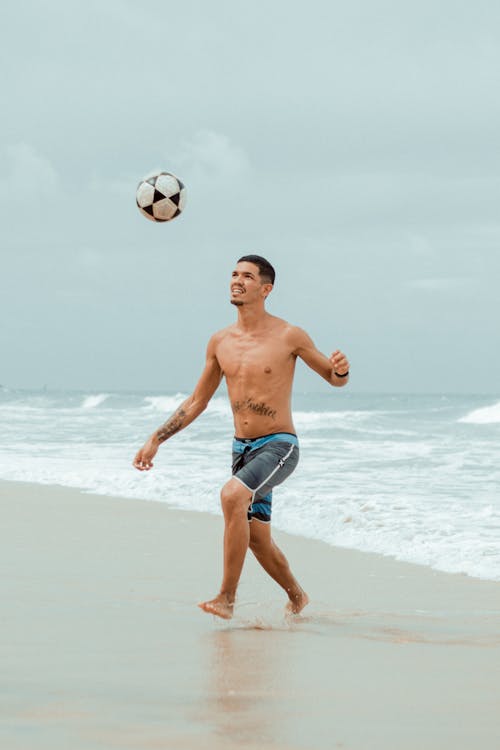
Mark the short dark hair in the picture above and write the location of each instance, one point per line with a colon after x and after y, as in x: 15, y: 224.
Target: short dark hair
x: 266, y: 270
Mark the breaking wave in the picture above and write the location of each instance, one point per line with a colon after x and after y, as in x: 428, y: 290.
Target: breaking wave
x: 484, y: 415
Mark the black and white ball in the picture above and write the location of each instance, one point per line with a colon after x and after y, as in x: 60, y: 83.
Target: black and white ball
x: 161, y: 196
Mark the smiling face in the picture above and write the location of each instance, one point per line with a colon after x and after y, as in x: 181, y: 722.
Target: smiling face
x: 247, y: 286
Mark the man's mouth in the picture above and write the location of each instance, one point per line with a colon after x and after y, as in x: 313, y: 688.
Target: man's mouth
x: 237, y: 290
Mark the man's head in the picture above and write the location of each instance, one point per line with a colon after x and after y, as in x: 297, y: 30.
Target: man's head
x: 252, y: 280
x: 266, y: 271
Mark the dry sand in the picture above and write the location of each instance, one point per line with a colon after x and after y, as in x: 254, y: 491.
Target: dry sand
x: 103, y: 646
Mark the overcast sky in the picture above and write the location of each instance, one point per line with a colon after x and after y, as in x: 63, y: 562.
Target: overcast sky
x: 356, y: 145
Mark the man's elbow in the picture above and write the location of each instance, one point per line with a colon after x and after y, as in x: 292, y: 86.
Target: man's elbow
x: 199, y: 404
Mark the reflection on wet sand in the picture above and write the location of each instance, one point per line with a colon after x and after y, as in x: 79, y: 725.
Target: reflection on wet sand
x: 245, y: 695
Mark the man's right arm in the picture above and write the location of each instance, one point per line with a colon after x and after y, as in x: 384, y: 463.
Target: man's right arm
x: 187, y: 412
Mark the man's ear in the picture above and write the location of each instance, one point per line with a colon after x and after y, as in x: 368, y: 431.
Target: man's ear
x: 268, y: 288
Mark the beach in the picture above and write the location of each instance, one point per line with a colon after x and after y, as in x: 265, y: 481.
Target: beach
x: 104, y: 647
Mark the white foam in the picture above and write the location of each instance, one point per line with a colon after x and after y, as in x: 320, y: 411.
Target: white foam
x: 164, y: 403
x: 307, y: 418
x: 219, y: 406
x: 484, y: 415
x: 91, y: 402
x: 403, y: 483
x: 167, y: 404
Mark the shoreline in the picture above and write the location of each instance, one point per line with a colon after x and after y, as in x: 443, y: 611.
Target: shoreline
x: 389, y: 556
x: 104, y: 646
x: 364, y: 558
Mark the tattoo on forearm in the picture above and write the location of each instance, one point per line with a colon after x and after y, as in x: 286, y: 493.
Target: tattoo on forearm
x: 257, y: 408
x: 172, y: 425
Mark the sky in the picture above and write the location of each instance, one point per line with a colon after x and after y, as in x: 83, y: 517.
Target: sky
x: 355, y: 145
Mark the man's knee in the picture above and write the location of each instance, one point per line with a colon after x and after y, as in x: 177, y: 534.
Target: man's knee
x: 234, y: 498
x: 260, y: 547
x: 255, y: 544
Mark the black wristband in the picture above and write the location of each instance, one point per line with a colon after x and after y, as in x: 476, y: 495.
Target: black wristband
x: 341, y: 376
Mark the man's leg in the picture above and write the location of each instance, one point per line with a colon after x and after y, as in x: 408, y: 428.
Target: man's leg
x: 235, y: 499
x: 276, y: 565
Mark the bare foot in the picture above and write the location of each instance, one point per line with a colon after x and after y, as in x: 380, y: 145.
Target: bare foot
x: 297, y: 602
x: 220, y: 606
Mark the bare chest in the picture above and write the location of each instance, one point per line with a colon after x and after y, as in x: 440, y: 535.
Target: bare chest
x: 251, y: 359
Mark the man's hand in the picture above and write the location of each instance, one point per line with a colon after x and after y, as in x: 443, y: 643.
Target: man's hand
x: 144, y: 458
x: 339, y: 362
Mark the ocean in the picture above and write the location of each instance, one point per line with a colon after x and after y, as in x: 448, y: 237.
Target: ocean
x: 411, y: 476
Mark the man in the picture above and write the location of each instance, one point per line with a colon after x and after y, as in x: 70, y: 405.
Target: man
x: 257, y: 356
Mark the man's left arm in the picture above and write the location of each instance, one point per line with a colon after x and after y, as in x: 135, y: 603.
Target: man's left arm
x: 334, y: 369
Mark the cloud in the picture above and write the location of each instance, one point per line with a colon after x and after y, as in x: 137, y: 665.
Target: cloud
x: 113, y: 186
x: 421, y: 246
x: 211, y: 156
x: 438, y: 284
x: 26, y: 170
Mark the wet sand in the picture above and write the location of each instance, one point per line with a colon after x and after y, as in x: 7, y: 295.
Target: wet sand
x: 103, y: 645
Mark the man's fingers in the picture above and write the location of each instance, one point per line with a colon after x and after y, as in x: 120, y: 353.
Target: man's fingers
x: 141, y: 463
x: 340, y: 362
x: 338, y: 356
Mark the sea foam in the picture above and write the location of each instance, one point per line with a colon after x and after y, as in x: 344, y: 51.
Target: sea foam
x: 405, y: 476
x: 91, y: 402
x: 484, y: 415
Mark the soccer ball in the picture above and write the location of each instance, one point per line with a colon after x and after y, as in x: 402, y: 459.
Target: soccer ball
x: 161, y: 197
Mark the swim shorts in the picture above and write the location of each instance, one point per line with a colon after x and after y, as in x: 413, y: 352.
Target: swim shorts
x: 262, y: 463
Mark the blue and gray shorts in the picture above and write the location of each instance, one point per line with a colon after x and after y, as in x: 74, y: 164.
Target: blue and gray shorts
x: 262, y: 463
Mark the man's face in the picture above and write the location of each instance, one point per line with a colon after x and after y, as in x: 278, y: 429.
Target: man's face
x: 247, y: 285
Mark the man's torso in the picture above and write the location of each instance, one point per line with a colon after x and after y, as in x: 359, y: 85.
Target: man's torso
x: 259, y: 369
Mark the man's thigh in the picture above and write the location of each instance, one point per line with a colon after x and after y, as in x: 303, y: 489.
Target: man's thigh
x: 266, y: 467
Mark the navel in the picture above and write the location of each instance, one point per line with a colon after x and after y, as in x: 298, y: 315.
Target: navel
x: 267, y: 370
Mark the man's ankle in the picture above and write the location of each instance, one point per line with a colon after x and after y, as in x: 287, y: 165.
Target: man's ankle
x: 228, y: 596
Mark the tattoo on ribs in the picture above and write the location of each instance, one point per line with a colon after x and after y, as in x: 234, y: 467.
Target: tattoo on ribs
x: 172, y: 425
x: 257, y: 408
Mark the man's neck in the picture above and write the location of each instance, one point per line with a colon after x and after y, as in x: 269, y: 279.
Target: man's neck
x: 251, y: 318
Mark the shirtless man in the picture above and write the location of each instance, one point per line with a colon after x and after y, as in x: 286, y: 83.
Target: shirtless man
x: 257, y: 356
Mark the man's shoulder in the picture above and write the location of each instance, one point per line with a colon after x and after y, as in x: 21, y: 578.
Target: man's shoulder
x: 288, y: 329
x: 220, y: 335
x: 292, y: 335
